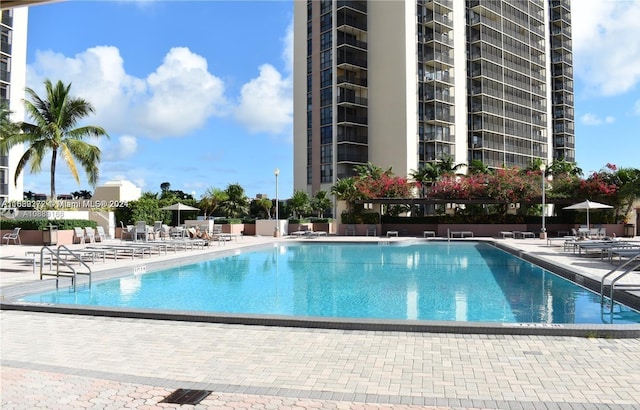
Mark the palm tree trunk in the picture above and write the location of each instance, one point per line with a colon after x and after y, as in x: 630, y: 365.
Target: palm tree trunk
x: 54, y: 156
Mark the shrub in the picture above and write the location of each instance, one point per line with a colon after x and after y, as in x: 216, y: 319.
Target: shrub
x: 40, y: 224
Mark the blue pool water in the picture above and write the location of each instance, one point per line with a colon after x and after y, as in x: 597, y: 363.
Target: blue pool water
x: 473, y: 282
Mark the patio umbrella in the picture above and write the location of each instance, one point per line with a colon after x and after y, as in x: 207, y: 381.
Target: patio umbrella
x: 179, y: 207
x: 587, y: 205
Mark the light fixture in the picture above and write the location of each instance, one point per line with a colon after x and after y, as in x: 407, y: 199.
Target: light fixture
x: 543, y: 231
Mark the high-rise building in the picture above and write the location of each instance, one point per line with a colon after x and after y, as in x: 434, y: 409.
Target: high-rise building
x: 404, y: 83
x: 13, y: 60
x: 13, y: 74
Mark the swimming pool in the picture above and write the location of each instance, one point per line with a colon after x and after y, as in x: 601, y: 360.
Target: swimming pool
x: 434, y: 281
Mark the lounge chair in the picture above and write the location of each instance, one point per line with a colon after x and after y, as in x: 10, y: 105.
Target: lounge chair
x: 126, y: 232
x: 89, y: 234
x: 350, y: 230
x: 12, y: 236
x: 101, y: 236
x: 372, y: 230
x: 315, y: 234
x: 302, y: 231
x: 78, y: 235
x: 142, y: 230
x: 506, y: 234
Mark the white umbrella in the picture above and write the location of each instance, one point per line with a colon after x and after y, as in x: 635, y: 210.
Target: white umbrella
x: 587, y: 205
x: 179, y: 207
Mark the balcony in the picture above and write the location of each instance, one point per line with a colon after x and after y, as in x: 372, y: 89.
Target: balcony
x: 352, y: 99
x: 353, y: 4
x: 348, y: 40
x: 352, y: 118
x: 353, y: 80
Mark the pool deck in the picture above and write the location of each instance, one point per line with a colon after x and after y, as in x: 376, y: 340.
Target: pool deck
x: 68, y: 361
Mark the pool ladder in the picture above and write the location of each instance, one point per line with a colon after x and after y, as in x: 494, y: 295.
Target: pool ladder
x: 615, y: 275
x: 72, y: 273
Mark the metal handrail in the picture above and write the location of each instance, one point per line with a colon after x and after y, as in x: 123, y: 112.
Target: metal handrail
x: 632, y: 260
x: 65, y: 263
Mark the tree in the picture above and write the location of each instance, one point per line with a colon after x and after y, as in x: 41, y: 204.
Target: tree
x: 211, y: 200
x: 425, y: 176
x: 370, y: 170
x: 165, y: 187
x: 345, y: 190
x: 446, y: 166
x: 236, y: 204
x: 299, y: 203
x: 7, y: 127
x: 478, y: 167
x: 561, y: 167
x: 264, y: 205
x: 55, y: 129
x: 320, y: 202
x: 84, y: 194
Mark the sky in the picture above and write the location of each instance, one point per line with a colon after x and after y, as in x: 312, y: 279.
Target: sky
x: 200, y: 93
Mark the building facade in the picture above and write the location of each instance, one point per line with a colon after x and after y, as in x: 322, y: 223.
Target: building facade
x: 13, y: 60
x: 404, y: 83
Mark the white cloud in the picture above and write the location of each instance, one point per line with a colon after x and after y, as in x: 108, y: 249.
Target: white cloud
x: 607, y: 53
x: 175, y: 100
x: 183, y: 94
x: 594, y: 119
x: 127, y: 146
x: 266, y: 102
x: 287, y: 52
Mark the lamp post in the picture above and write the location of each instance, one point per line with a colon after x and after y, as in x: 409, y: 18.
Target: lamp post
x: 543, y: 231
x: 276, y: 233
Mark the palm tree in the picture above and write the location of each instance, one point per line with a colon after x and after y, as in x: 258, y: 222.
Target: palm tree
x: 477, y: 167
x: 446, y: 166
x: 54, y: 129
x: 299, y: 203
x: 211, y: 200
x: 320, y: 202
x: 7, y: 127
x: 369, y: 170
x: 345, y: 190
x: 236, y: 204
x: 425, y: 176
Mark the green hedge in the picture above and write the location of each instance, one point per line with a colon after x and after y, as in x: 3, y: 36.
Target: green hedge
x: 299, y: 221
x: 40, y: 224
x: 228, y: 221
x: 488, y: 219
x: 360, y: 218
x: 321, y: 220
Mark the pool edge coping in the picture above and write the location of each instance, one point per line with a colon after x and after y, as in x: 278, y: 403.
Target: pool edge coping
x: 450, y: 327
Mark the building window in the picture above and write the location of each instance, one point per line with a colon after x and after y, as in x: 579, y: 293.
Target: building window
x: 326, y: 78
x: 326, y: 116
x: 326, y: 134
x: 326, y: 173
x: 326, y: 96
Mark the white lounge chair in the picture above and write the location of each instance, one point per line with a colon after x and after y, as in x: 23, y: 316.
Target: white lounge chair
x: 12, y: 236
x: 372, y: 230
x: 101, y: 235
x: 350, y: 230
x: 302, y: 231
x: 78, y: 235
x: 89, y: 234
